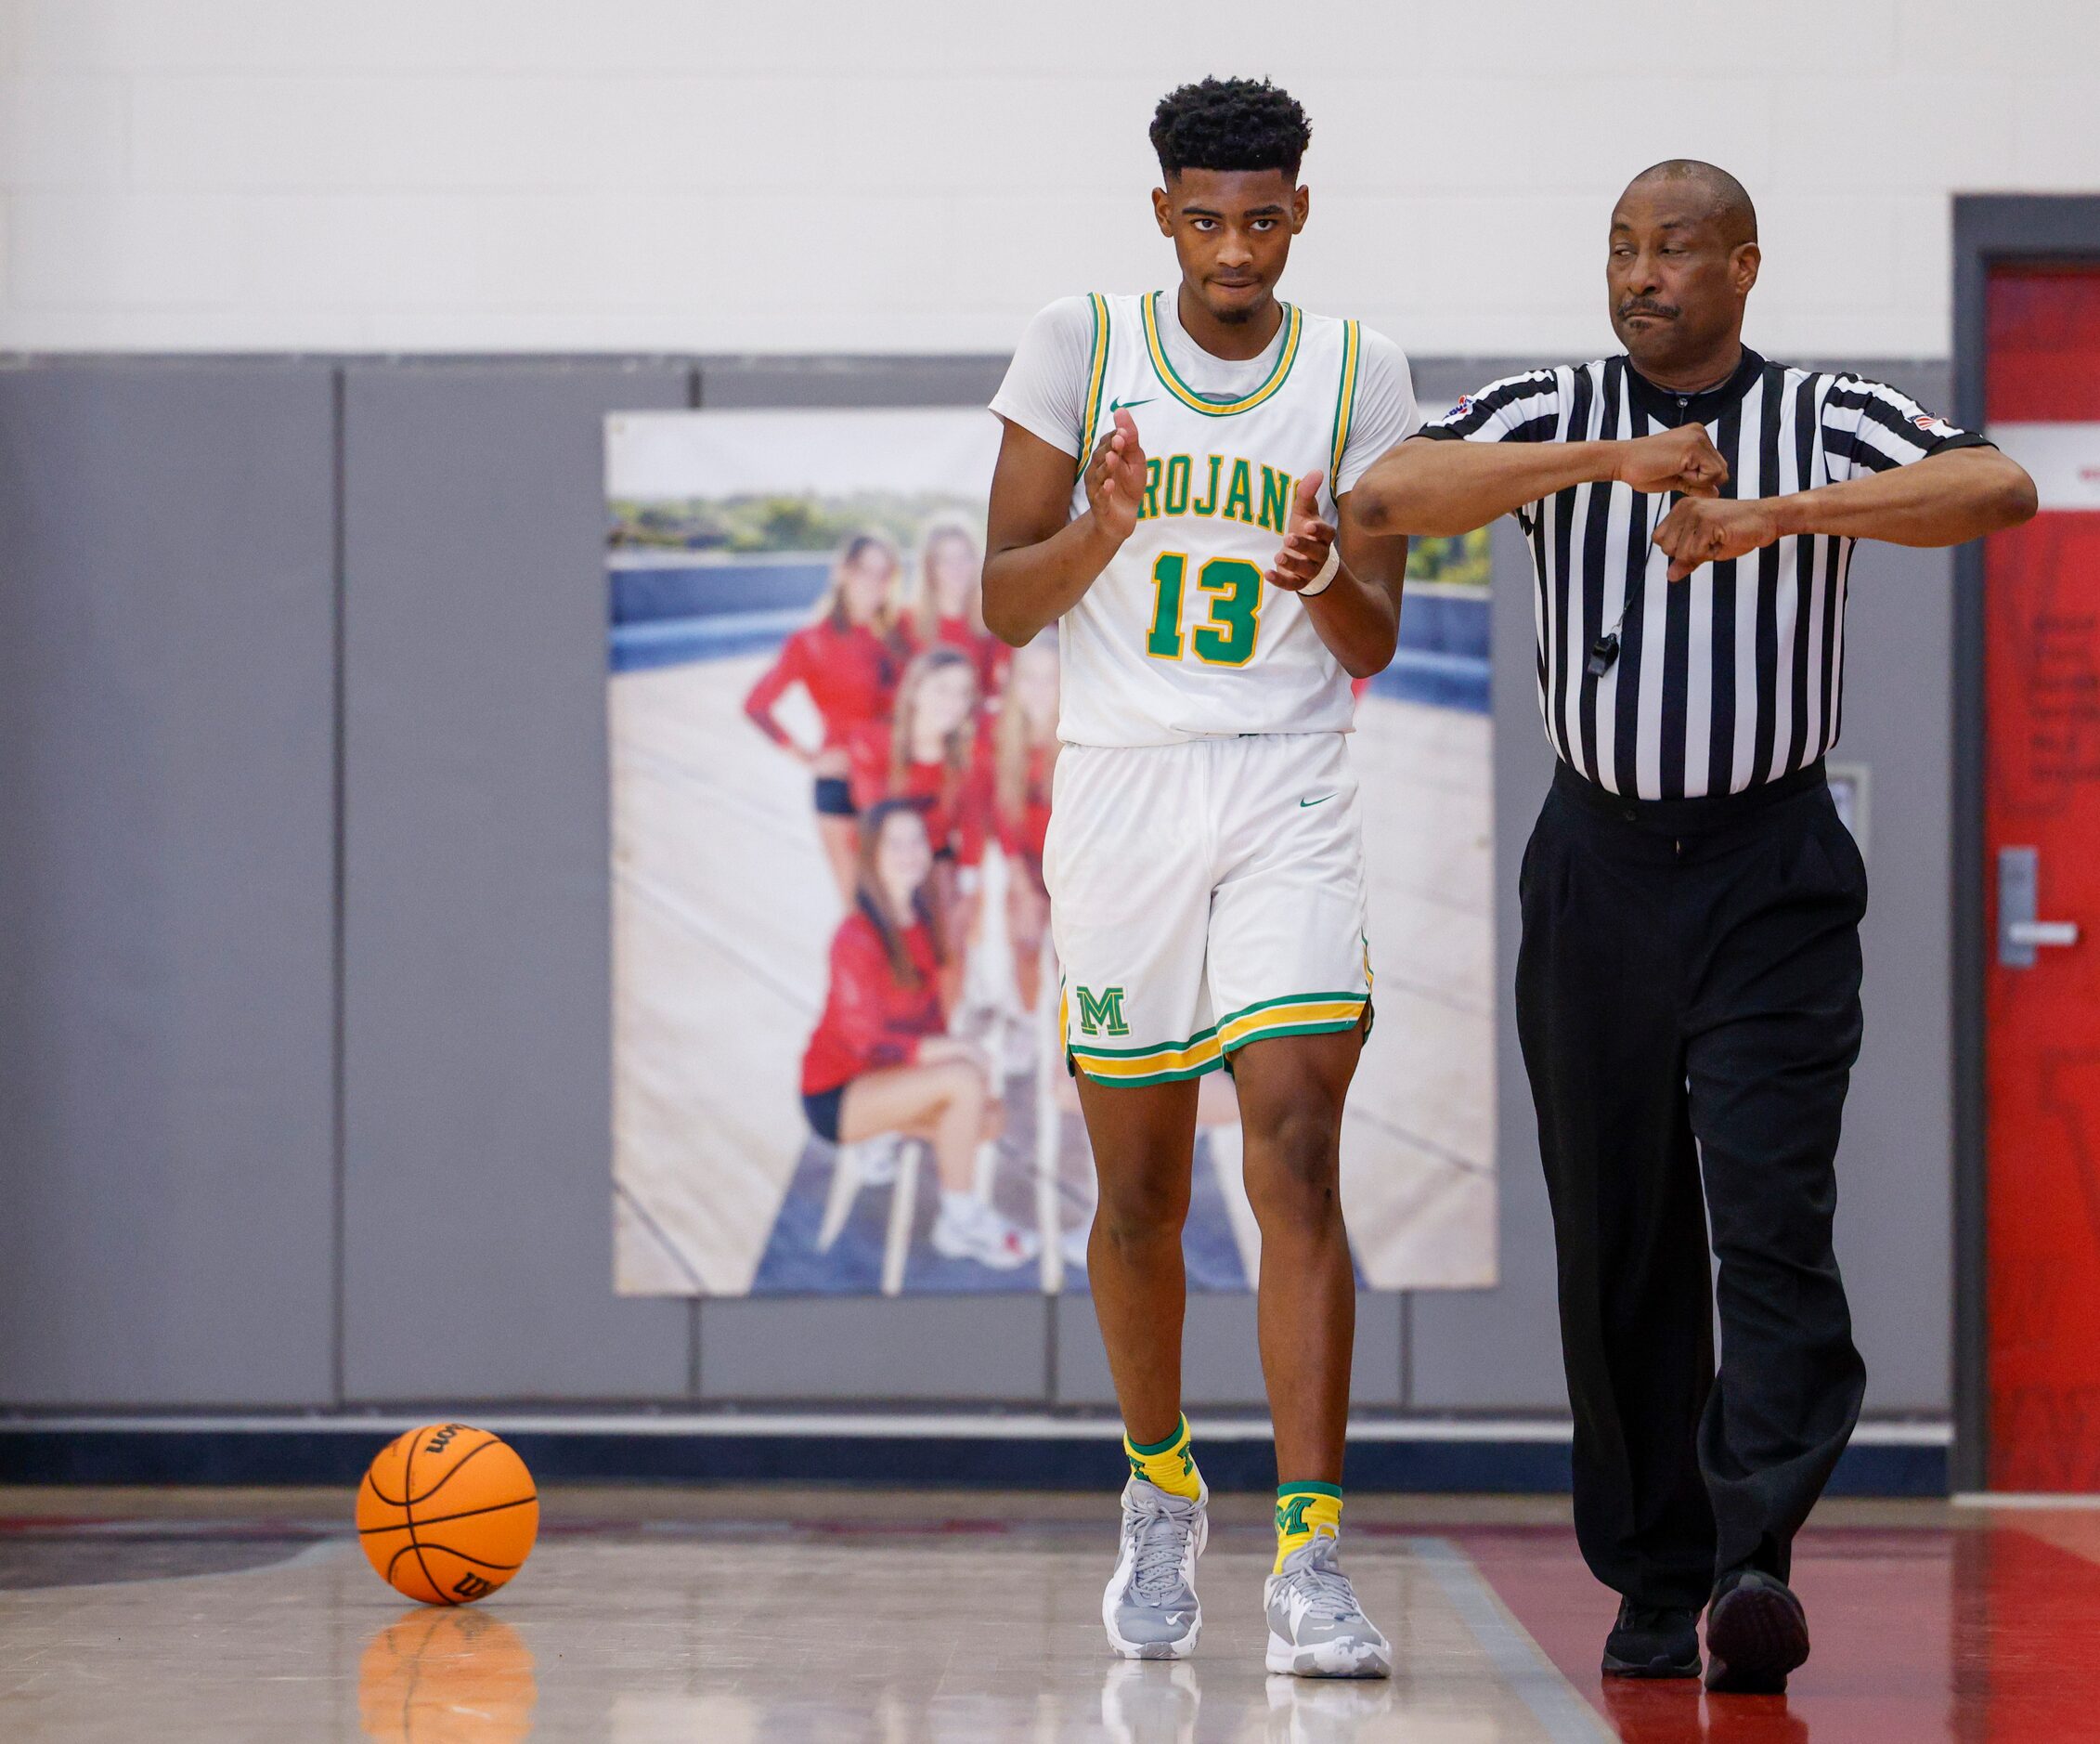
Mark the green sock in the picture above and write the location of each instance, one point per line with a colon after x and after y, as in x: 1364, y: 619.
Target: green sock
x: 1305, y: 1512
x: 1169, y: 1464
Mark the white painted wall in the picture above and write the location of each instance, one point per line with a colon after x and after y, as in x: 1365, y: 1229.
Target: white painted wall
x: 818, y: 175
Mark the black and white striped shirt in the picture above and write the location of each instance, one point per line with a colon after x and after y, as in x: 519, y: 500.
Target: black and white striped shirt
x: 1733, y: 676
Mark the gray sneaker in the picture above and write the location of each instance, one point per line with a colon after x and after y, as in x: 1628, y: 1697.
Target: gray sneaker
x: 1317, y: 1629
x: 1150, y: 1608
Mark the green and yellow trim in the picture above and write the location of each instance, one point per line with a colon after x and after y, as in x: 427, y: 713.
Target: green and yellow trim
x: 1297, y: 1014
x: 1097, y: 374
x: 1294, y: 322
x: 1302, y: 1014
x: 1344, y: 404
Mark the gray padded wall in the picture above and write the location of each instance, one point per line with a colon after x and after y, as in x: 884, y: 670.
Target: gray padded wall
x: 733, y: 384
x: 477, y: 1211
x: 166, y: 902
x: 971, y: 1349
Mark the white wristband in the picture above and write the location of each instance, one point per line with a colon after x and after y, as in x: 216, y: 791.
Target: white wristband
x: 1324, y: 579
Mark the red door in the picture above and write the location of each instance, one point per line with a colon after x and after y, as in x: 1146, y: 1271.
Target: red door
x: 2041, y: 839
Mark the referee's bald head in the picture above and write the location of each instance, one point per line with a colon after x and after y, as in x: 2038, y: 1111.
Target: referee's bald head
x: 1725, y: 200
x: 1682, y: 260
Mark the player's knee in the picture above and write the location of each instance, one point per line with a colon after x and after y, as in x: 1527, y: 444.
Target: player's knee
x: 1139, y: 1212
x: 1293, y: 1167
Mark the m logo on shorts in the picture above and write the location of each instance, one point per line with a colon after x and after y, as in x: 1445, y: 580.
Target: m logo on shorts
x: 1102, y: 1016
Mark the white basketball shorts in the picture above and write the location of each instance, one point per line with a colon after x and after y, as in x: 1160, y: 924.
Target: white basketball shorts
x: 1204, y: 895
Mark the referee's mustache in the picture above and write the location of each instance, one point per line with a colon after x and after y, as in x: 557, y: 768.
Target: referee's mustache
x: 1644, y: 306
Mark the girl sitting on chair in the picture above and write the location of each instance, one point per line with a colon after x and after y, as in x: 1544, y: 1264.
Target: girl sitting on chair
x: 881, y: 1062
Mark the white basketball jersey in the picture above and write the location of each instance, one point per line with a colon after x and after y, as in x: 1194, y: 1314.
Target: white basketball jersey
x: 1179, y: 637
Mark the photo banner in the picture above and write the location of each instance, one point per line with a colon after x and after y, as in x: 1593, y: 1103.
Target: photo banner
x: 837, y: 1068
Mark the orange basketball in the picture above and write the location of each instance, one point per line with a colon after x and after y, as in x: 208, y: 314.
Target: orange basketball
x: 447, y: 1514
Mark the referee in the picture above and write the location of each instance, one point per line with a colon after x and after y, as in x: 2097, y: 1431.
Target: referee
x: 1688, y: 989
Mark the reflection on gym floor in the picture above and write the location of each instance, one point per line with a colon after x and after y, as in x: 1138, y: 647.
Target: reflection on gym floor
x: 765, y: 1617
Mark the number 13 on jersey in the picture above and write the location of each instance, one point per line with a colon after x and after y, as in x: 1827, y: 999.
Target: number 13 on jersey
x: 1227, y: 636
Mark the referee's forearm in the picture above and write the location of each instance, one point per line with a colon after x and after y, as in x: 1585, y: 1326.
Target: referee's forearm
x: 1438, y: 488
x: 1943, y: 499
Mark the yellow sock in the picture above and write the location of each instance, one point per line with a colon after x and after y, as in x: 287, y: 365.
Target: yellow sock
x: 1169, y: 1464
x: 1305, y: 1512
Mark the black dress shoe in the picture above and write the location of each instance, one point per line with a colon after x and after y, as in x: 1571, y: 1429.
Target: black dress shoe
x: 1652, y: 1641
x: 1757, y: 1632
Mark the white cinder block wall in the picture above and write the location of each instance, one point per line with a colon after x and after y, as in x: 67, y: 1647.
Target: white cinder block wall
x: 833, y: 174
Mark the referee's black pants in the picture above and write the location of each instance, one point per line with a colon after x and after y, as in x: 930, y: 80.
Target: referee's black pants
x: 1688, y: 996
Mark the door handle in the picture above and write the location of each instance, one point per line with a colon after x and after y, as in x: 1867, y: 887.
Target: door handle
x: 2042, y: 933
x: 2020, y: 932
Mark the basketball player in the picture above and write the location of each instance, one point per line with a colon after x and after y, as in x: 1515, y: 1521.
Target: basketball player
x: 1172, y: 476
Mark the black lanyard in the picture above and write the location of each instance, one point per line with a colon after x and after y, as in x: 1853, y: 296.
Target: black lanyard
x: 1605, y: 649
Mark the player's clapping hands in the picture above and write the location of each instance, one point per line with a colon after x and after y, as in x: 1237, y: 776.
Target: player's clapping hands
x: 1115, y: 479
x: 1307, y: 542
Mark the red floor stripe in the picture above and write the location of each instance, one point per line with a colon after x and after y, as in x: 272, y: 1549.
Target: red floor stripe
x: 1881, y: 1610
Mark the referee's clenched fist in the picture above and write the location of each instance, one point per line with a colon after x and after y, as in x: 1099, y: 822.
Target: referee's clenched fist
x: 1688, y: 988
x: 1712, y: 530
x: 1683, y: 459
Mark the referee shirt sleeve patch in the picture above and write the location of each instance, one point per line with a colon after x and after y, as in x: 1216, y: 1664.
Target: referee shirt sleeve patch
x: 1874, y: 428
x: 1517, y: 408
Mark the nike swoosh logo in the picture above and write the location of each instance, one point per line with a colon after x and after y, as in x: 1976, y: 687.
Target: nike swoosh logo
x: 1124, y: 405
x: 1321, y: 800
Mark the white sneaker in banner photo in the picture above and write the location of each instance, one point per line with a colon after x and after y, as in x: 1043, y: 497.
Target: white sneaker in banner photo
x: 967, y: 1227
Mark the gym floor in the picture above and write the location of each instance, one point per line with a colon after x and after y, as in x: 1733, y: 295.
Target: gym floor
x: 786, y: 1615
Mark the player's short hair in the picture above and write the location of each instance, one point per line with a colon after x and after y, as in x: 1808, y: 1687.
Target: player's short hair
x: 1229, y: 125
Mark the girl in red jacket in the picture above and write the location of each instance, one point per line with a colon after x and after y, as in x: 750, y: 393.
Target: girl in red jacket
x: 881, y: 1062
x: 933, y: 753
x: 1024, y: 753
x: 847, y: 661
x: 947, y: 607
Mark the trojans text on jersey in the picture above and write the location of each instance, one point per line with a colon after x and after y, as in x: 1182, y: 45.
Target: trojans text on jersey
x: 1217, y: 485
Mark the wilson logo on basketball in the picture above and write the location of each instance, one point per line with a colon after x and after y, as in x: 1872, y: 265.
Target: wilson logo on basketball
x: 443, y: 1438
